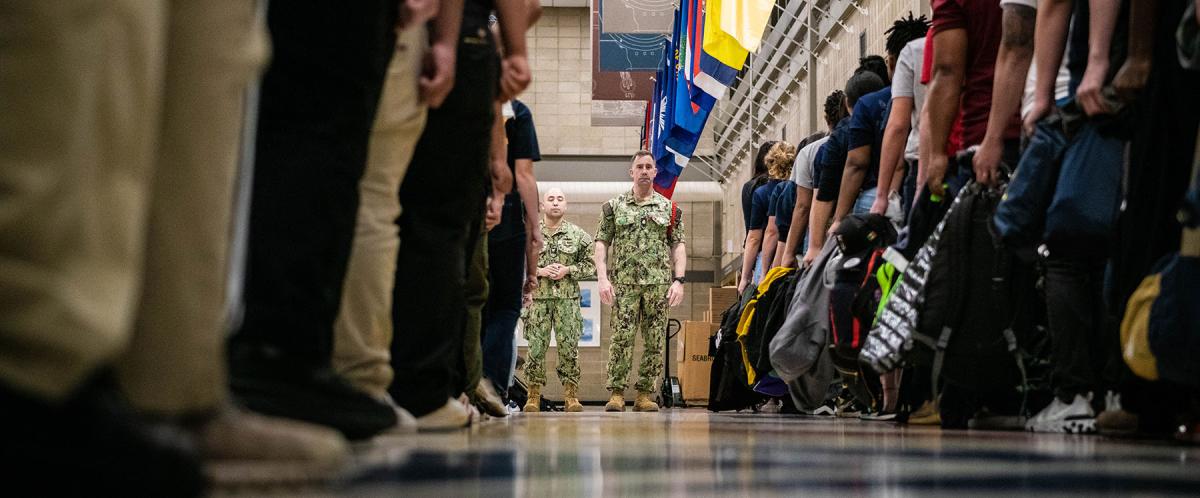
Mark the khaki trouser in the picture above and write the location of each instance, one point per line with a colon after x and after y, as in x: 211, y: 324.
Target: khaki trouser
x: 119, y: 141
x: 363, y: 330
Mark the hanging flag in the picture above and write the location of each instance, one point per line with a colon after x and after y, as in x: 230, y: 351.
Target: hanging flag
x: 745, y: 20
x: 720, y: 58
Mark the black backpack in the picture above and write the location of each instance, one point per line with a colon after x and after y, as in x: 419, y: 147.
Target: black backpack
x: 981, y: 310
x: 727, y: 389
x: 855, y: 297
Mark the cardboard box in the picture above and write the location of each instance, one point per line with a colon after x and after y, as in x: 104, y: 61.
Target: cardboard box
x: 695, y: 365
x: 719, y: 300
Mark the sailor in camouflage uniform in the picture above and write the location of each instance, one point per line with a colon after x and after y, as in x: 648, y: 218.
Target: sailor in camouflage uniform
x: 566, y: 258
x: 645, y: 231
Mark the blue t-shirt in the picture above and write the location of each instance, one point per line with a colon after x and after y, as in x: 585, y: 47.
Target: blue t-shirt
x: 866, y: 129
x: 760, y: 205
x: 522, y: 144
x: 831, y: 159
x: 785, y: 203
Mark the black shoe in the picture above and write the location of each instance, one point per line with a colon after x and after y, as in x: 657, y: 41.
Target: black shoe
x: 91, y: 445
x: 270, y: 383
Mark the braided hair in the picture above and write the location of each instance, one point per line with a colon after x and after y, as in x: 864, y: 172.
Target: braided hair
x: 904, y: 30
x: 835, y: 109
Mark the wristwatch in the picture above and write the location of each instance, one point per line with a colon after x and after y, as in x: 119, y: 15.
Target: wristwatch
x: 680, y: 280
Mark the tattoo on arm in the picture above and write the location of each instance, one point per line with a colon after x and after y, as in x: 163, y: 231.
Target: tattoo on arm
x: 1019, y: 25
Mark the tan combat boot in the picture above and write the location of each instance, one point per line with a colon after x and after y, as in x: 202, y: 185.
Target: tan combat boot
x: 644, y: 403
x: 571, y: 399
x: 534, y: 403
x: 616, y: 403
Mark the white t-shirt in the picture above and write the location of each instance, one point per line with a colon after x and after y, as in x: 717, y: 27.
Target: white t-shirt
x: 1062, y: 81
x: 802, y: 169
x: 906, y: 82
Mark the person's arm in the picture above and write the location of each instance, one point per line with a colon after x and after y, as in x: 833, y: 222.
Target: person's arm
x: 749, y: 254
x: 818, y: 221
x: 804, y: 198
x: 1049, y: 42
x: 942, y: 104
x: 502, y: 177
x: 604, y: 234
x: 895, y: 139
x: 513, y: 16
x: 585, y: 264
x: 770, y: 238
x: 679, y: 268
x: 1102, y: 21
x: 1012, y: 66
x: 437, y: 79
x: 1132, y: 76
x: 527, y: 189
x: 858, y: 161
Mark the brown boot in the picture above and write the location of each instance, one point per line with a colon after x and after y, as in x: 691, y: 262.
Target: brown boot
x: 616, y: 403
x: 571, y: 399
x: 644, y: 403
x: 534, y: 403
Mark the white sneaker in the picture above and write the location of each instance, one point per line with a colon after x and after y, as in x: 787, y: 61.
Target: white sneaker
x: 406, y: 423
x: 451, y: 416
x: 1075, y: 418
x: 771, y: 406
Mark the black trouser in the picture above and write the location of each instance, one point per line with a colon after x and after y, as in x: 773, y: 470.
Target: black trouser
x: 506, y: 276
x: 442, y: 195
x: 318, y: 103
x: 1083, y: 338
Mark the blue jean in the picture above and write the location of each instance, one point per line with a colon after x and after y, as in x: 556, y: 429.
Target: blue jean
x: 866, y: 199
x: 505, y: 278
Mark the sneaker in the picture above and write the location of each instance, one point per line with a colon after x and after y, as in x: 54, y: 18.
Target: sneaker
x: 1114, y: 420
x: 488, y: 400
x: 828, y: 409
x: 451, y: 416
x: 771, y: 406
x: 406, y: 423
x: 850, y: 409
x: 240, y: 447
x: 1074, y: 418
x: 878, y: 417
x: 473, y: 414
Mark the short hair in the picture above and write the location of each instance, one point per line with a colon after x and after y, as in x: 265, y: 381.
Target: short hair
x: 760, y: 159
x: 860, y: 84
x: 810, y: 139
x: 835, y: 108
x: 876, y: 65
x: 640, y: 153
x: 779, y: 160
x: 904, y: 30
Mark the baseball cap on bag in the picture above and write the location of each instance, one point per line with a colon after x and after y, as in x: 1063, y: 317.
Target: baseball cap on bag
x: 859, y: 234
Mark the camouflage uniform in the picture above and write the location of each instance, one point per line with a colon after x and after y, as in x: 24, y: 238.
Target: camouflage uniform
x: 556, y: 304
x: 640, y: 244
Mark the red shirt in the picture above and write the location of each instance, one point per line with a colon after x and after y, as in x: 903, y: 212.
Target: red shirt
x: 982, y: 21
x: 954, y: 141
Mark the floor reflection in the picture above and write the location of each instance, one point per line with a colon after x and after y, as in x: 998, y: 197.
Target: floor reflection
x: 694, y: 453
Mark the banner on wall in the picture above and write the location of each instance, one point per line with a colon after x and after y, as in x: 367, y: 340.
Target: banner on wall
x: 637, y: 16
x: 616, y: 85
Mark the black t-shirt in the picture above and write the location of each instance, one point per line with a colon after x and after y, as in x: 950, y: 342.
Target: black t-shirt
x: 522, y: 144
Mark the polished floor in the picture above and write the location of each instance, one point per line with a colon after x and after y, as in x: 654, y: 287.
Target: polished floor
x: 695, y: 453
